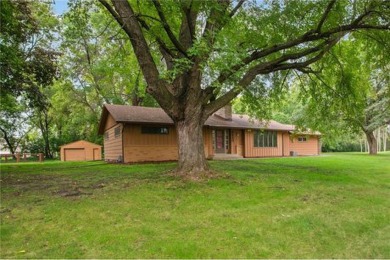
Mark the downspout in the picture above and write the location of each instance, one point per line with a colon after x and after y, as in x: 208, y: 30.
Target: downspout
x: 123, y: 145
x: 243, y: 140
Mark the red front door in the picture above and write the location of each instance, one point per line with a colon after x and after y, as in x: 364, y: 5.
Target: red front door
x: 219, y: 141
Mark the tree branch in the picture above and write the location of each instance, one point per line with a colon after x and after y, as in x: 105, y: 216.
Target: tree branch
x: 112, y: 12
x: 276, y: 65
x: 167, y: 28
x: 160, y: 42
x: 126, y: 17
x: 238, y: 6
x: 188, y: 25
x: 309, y: 36
x: 325, y: 15
x: 214, y: 23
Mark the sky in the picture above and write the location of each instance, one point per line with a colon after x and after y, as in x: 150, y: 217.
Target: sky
x: 60, y: 6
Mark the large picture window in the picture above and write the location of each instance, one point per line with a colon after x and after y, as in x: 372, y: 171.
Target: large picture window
x: 265, y: 139
x: 154, y: 130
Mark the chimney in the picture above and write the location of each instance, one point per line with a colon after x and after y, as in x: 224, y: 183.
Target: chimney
x: 225, y: 112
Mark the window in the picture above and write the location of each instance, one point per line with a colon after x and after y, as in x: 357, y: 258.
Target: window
x: 227, y: 140
x: 302, y: 139
x: 117, y: 131
x: 106, y: 136
x: 154, y: 130
x: 265, y: 139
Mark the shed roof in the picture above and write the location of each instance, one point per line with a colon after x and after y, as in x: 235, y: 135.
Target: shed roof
x: 151, y: 115
x: 80, y: 143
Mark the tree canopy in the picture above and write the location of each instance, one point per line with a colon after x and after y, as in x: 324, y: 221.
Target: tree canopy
x: 28, y: 64
x: 355, y: 90
x: 197, y: 56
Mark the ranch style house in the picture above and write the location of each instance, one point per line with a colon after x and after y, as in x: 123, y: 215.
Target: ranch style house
x: 145, y: 134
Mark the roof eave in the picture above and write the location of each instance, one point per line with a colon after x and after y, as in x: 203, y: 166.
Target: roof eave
x: 144, y: 122
x: 103, y: 119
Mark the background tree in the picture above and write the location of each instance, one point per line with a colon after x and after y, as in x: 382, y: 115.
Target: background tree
x: 210, y: 51
x: 98, y: 59
x: 14, y: 123
x: 28, y: 60
x: 94, y: 71
x: 356, y: 91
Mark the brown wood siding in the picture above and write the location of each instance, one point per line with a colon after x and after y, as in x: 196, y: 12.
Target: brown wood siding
x: 113, y: 145
x: 97, y: 154
x: 286, y: 144
x: 237, y: 143
x: 208, y: 143
x: 81, y: 151
x: 110, y: 122
x: 251, y: 151
x: 139, y: 147
x: 310, y: 147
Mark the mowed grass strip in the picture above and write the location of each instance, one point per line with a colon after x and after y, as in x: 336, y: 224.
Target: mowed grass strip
x: 331, y: 206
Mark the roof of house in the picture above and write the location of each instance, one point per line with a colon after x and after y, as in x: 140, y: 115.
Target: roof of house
x: 80, y: 143
x: 151, y: 115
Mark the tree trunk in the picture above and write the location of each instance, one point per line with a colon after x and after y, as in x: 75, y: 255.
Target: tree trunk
x: 192, y: 161
x: 136, y: 100
x: 9, y: 143
x: 48, y: 153
x: 44, y: 127
x: 372, y: 144
x: 378, y: 140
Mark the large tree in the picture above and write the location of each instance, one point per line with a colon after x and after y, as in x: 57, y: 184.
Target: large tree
x: 196, y: 56
x: 97, y: 66
x: 354, y: 95
x: 28, y: 63
x: 98, y: 59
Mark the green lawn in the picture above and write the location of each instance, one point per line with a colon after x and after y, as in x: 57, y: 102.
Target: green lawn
x: 332, y: 206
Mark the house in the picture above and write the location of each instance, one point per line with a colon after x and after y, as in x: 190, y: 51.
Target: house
x: 137, y: 134
x: 81, y: 151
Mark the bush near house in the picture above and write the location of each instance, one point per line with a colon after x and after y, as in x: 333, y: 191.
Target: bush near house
x: 331, y: 206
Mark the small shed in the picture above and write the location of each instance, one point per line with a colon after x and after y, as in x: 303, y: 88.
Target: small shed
x: 81, y: 151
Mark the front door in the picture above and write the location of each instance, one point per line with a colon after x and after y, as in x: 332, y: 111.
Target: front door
x: 219, y: 141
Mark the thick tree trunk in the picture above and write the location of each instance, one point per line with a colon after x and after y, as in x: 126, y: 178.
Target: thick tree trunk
x: 372, y: 144
x: 192, y: 161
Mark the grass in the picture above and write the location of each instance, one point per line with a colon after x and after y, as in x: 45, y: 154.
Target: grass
x: 333, y: 206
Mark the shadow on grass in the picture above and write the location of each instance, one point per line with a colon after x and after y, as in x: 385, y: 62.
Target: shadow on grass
x: 77, y: 179
x: 264, y: 167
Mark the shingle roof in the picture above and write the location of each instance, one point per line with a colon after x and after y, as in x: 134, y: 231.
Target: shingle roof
x: 81, y: 143
x: 244, y: 121
x: 135, y: 114
x: 151, y: 115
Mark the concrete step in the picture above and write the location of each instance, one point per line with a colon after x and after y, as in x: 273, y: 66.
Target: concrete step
x: 226, y: 156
